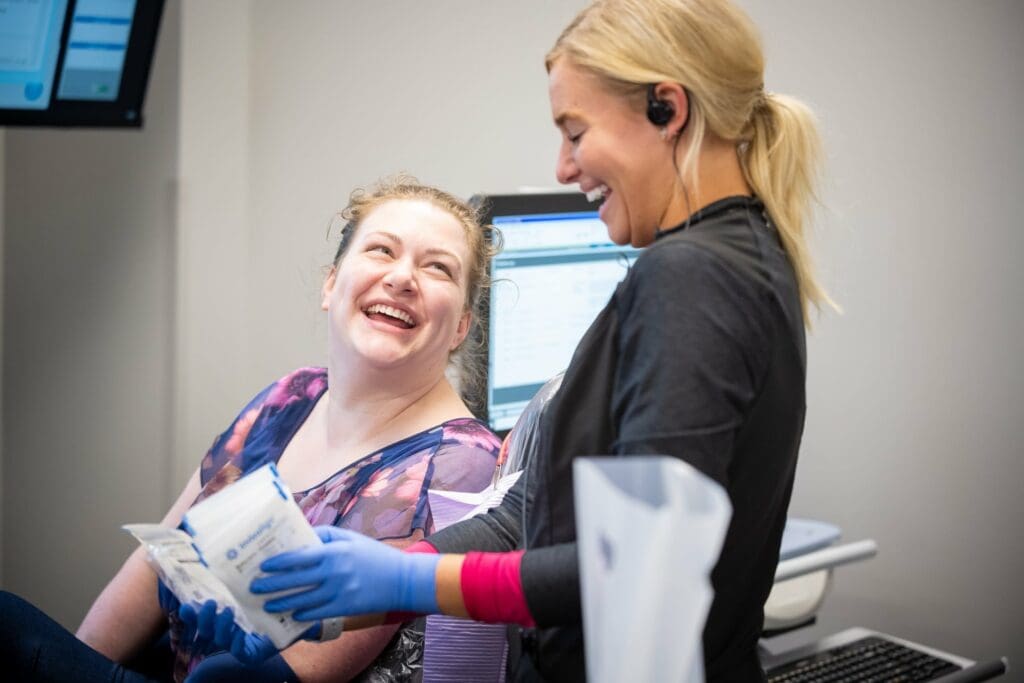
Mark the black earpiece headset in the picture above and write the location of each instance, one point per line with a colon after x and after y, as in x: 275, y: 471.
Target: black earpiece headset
x: 660, y: 112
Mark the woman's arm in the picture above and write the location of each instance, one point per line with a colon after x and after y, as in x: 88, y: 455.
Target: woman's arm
x: 343, y: 658
x: 338, y: 660
x: 360, y: 578
x: 127, y: 616
x: 538, y: 587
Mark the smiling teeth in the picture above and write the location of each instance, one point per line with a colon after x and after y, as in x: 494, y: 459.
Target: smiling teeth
x: 393, y: 312
x: 597, y: 193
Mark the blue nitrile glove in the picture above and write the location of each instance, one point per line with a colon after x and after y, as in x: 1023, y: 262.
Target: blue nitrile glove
x: 349, y: 574
x: 197, y: 624
x: 208, y: 631
x: 169, y: 602
x: 223, y: 668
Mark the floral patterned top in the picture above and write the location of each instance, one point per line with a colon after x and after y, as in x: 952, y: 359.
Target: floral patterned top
x: 383, y: 495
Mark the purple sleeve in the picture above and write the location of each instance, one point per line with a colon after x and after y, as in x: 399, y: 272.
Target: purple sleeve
x: 230, y: 442
x: 466, y: 458
x: 264, y: 425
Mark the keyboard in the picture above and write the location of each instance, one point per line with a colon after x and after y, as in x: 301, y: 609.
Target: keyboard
x: 870, y: 659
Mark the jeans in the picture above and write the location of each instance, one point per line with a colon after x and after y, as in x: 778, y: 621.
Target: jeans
x: 33, y: 647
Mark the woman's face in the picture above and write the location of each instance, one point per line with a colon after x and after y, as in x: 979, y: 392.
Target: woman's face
x: 609, y: 145
x: 398, y: 297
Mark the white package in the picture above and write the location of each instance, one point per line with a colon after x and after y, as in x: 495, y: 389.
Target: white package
x: 231, y: 533
x: 649, y: 531
x: 175, y: 559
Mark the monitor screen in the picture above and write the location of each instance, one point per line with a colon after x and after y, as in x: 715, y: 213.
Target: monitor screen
x: 75, y: 62
x: 555, y: 273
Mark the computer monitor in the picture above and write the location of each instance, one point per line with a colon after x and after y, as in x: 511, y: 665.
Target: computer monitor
x: 555, y: 273
x: 75, y: 62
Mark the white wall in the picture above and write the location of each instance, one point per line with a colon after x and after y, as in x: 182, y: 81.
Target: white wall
x: 88, y: 329
x: 912, y: 433
x: 213, y: 231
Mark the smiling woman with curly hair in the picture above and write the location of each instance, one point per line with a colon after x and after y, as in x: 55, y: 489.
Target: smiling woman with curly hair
x: 359, y: 441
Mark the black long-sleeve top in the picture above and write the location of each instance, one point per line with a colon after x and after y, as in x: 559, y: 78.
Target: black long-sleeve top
x: 699, y: 354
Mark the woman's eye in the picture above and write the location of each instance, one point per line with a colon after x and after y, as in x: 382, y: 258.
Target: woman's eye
x: 573, y: 139
x: 381, y: 249
x: 442, y: 267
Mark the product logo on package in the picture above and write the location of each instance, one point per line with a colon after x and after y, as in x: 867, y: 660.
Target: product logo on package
x: 232, y: 554
x: 260, y: 530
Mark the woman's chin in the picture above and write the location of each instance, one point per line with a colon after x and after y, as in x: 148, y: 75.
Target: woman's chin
x: 377, y: 354
x: 619, y: 234
x: 385, y: 359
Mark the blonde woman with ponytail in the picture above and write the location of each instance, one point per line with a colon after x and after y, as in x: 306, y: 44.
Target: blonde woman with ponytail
x: 699, y: 354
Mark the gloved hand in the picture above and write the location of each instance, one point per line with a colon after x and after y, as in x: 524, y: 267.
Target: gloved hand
x: 207, y: 631
x: 350, y: 574
x: 169, y: 602
x: 198, y: 628
x: 223, y: 668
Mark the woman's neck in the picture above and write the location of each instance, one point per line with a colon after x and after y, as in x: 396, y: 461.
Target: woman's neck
x: 719, y: 175
x: 356, y: 417
x: 379, y: 409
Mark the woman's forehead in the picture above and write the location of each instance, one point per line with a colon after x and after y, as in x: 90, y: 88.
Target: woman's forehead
x: 407, y: 219
x: 571, y: 87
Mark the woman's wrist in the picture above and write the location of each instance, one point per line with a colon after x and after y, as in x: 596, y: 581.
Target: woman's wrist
x: 449, y: 586
x: 417, y: 581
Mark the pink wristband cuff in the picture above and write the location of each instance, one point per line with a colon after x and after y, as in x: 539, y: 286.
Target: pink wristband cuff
x: 423, y: 546
x: 492, y: 589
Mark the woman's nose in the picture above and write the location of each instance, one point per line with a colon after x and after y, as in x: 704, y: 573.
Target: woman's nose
x: 400, y: 277
x: 565, y: 167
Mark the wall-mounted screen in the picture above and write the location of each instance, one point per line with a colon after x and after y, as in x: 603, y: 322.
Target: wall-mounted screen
x: 555, y: 273
x: 75, y: 62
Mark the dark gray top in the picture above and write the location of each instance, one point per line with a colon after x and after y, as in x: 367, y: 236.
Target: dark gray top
x: 699, y: 354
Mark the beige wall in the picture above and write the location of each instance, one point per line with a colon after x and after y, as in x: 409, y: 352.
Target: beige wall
x: 282, y: 108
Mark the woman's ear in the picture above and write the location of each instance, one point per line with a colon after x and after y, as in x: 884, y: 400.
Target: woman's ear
x: 676, y: 96
x: 462, y: 330
x: 325, y: 289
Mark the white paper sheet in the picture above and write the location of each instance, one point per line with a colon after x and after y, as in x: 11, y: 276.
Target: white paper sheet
x: 649, y: 531
x: 450, y: 507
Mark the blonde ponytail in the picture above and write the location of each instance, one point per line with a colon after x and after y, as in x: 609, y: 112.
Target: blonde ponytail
x: 781, y: 158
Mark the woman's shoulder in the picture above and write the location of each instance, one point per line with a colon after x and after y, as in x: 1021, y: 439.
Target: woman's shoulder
x: 302, y: 384
x: 728, y: 245
x: 732, y: 254
x: 452, y: 437
x: 465, y: 457
x: 698, y: 287
x: 469, y: 431
x: 278, y: 407
x: 682, y: 268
